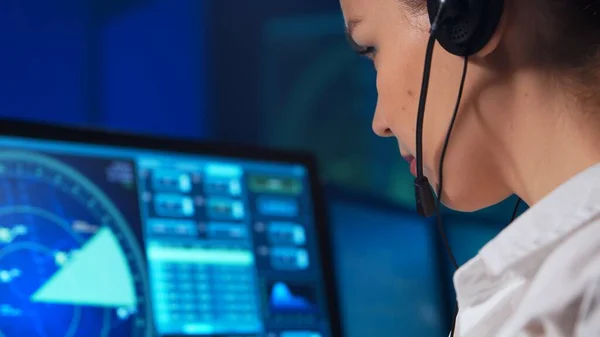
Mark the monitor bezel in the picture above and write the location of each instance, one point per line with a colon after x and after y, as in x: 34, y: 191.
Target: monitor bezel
x: 104, y: 137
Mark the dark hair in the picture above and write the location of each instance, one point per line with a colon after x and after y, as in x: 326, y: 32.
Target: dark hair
x: 567, y: 32
x: 566, y: 41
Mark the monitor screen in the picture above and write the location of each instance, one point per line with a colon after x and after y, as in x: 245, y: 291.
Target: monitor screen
x: 117, y: 241
x: 467, y: 235
x: 387, y: 269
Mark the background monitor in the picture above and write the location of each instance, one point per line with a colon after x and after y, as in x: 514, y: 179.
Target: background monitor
x: 231, y: 243
x: 389, y: 279
x: 467, y: 234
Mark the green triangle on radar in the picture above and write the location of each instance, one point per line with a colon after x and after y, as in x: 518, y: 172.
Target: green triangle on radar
x: 98, y: 276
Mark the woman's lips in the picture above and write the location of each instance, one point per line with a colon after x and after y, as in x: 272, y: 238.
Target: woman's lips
x: 412, y: 163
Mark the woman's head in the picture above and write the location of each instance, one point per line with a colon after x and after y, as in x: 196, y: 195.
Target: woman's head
x: 542, y: 60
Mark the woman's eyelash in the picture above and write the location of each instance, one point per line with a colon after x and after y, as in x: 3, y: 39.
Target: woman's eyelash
x: 366, y: 51
x: 360, y: 50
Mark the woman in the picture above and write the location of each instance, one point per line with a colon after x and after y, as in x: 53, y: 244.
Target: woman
x: 529, y: 124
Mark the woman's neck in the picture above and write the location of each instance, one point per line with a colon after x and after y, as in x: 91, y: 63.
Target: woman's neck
x: 550, y: 141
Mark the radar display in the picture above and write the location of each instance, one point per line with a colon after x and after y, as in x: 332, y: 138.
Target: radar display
x: 70, y: 260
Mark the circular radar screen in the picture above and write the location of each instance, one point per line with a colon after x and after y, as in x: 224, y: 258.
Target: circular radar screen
x: 70, y: 264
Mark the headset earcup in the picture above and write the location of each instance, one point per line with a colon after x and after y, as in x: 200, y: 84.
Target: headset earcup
x: 468, y: 31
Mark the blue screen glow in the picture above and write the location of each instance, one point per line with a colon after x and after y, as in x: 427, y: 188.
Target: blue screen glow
x: 110, y: 242
x: 388, y: 277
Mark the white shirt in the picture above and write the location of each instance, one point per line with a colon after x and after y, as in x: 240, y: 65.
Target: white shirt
x: 541, y: 275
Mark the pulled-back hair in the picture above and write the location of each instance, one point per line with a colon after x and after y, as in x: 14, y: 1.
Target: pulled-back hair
x: 567, y: 33
x: 565, y: 40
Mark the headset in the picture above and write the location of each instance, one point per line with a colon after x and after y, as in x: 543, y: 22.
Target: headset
x: 463, y: 28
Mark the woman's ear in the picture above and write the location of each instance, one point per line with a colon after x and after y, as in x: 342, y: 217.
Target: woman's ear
x: 496, y: 38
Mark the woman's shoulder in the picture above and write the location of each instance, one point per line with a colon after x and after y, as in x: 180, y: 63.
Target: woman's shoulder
x: 564, y: 293
x: 574, y: 264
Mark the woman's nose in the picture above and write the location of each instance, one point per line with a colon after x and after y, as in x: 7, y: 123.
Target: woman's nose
x: 380, y: 126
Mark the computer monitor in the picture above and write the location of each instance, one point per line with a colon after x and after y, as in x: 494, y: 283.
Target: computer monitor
x: 105, y: 234
x: 467, y: 234
x: 387, y: 262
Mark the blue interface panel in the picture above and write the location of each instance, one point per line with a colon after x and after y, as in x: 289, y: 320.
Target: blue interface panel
x: 107, y: 241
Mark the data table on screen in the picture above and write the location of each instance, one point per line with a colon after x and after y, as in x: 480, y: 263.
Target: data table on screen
x: 219, y: 235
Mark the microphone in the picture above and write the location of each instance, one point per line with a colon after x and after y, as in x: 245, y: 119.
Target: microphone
x: 426, y: 204
x: 425, y: 200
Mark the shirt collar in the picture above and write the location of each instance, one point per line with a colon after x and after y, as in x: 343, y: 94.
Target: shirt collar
x: 563, y: 211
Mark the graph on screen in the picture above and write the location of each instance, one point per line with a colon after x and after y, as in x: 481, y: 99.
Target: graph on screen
x: 291, y: 298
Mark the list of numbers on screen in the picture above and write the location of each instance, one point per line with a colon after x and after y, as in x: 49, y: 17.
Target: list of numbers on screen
x: 231, y: 249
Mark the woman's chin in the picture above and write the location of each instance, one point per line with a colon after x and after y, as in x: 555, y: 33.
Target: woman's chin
x: 467, y: 203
